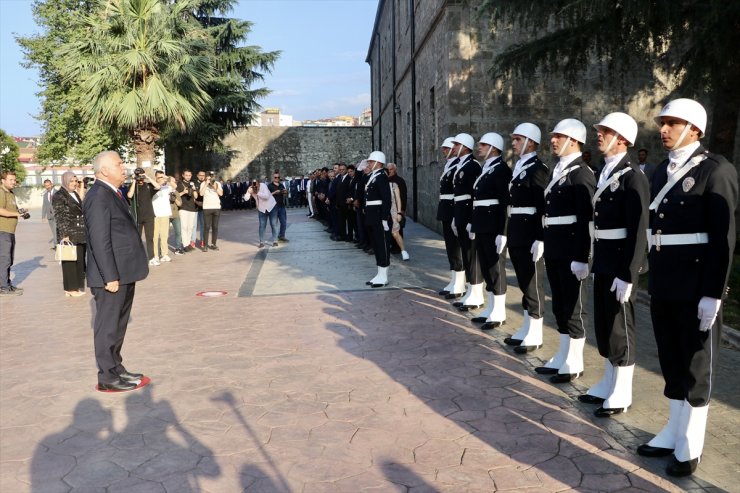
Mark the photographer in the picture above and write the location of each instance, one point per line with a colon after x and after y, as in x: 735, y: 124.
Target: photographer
x: 265, y: 203
x: 9, y: 214
x: 188, y: 210
x: 279, y: 192
x: 162, y: 214
x: 211, y: 191
x: 140, y: 194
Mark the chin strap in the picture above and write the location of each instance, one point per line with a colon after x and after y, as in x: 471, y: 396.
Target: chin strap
x: 567, y: 142
x: 523, y: 151
x: 683, y: 135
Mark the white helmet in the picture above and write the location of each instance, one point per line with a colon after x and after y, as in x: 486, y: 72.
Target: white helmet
x: 449, y: 143
x: 622, y: 123
x: 493, y: 139
x: 572, y: 128
x: 686, y: 109
x: 377, y: 156
x: 528, y: 130
x: 466, y: 140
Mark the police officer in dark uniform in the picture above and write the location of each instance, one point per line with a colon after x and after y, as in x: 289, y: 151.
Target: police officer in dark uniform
x: 525, y: 237
x: 691, y: 241
x: 445, y: 213
x: 467, y: 172
x: 488, y: 227
x: 619, y: 244
x: 568, y: 212
x: 378, y: 216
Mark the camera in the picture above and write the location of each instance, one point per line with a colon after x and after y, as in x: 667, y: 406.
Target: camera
x: 139, y: 171
x: 24, y: 213
x: 88, y: 180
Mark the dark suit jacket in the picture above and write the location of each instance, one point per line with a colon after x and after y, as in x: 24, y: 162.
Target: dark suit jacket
x: 114, y: 248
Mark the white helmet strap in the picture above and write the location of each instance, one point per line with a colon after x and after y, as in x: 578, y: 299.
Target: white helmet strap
x: 567, y: 142
x: 459, y: 150
x: 611, y: 144
x: 681, y: 137
x: 523, y: 150
x: 490, y: 148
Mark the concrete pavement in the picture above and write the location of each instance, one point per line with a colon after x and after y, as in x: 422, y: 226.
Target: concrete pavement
x: 301, y: 379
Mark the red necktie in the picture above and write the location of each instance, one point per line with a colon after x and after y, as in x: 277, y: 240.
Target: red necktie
x: 120, y: 195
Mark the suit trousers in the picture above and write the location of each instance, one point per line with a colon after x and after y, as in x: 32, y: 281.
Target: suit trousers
x: 112, y: 312
x: 454, y: 254
x: 381, y: 243
x: 568, y: 300
x: 53, y: 228
x: 531, y: 278
x: 470, y: 258
x: 492, y: 265
x: 687, y: 355
x: 73, y: 271
x: 614, y: 323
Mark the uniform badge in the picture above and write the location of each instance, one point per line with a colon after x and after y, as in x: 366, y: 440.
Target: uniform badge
x: 562, y: 180
x: 522, y: 175
x: 688, y: 184
x: 614, y: 185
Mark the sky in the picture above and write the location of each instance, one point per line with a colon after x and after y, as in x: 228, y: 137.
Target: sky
x: 321, y: 73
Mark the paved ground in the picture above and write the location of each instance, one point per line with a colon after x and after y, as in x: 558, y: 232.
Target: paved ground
x: 303, y: 380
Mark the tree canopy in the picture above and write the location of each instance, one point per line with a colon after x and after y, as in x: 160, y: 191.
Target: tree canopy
x: 9, y: 155
x: 693, y: 41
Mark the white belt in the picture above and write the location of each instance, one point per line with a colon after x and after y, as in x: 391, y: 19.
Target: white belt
x: 660, y: 240
x: 374, y: 202
x: 482, y: 203
x: 559, y: 220
x: 610, y: 234
x: 460, y: 198
x: 447, y: 196
x: 522, y: 210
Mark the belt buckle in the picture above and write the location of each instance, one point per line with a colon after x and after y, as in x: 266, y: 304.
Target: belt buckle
x: 657, y: 242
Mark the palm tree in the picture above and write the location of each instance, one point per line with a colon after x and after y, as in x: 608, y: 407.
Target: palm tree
x: 143, y: 66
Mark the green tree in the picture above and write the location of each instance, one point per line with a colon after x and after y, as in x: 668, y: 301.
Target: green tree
x: 142, y: 66
x: 695, y: 41
x: 9, y: 155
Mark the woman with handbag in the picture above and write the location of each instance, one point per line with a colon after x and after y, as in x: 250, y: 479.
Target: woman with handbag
x: 70, y: 230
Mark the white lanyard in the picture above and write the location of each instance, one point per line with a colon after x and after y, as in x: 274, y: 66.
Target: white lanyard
x: 607, y: 184
x: 555, y: 179
x: 486, y: 171
x: 692, y: 163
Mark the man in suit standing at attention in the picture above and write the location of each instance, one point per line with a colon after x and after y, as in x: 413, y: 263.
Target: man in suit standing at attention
x: 115, y: 261
x: 47, y: 211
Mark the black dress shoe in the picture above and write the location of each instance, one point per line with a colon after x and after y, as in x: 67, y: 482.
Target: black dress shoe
x: 681, y: 469
x: 492, y: 325
x: 378, y: 285
x: 510, y: 341
x: 605, y: 412
x: 454, y: 296
x: 457, y: 304
x: 130, y: 377
x: 590, y: 399
x: 120, y: 386
x: 526, y: 349
x: 368, y: 283
x: 565, y: 377
x: 544, y: 370
x: 444, y: 292
x: 479, y: 320
x: 646, y: 450
x: 467, y: 308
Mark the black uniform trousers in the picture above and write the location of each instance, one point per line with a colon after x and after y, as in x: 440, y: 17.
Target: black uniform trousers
x: 469, y: 257
x: 381, y: 241
x: 614, y: 323
x: 112, y: 312
x: 568, y: 303
x: 73, y: 271
x: 531, y: 277
x: 492, y: 265
x: 687, y: 355
x: 454, y: 254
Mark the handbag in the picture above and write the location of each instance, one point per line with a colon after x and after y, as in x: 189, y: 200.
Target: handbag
x: 65, y: 251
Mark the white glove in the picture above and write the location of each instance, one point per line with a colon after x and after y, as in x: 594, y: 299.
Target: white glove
x: 708, y: 310
x: 537, y: 250
x: 579, y: 269
x: 468, y: 227
x: 500, y: 243
x: 385, y: 226
x: 624, y: 289
x: 454, y: 229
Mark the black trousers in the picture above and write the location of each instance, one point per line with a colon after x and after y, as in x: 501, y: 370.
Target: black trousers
x: 454, y: 254
x: 492, y: 265
x: 568, y: 300
x: 531, y: 278
x: 351, y: 222
x: 7, y: 256
x: 148, y: 226
x: 73, y: 271
x: 687, y: 355
x: 381, y: 243
x: 210, y: 224
x: 112, y: 311
x: 614, y: 323
x: 470, y: 257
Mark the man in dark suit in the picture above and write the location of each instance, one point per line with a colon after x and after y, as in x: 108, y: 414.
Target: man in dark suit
x: 645, y: 167
x: 115, y: 261
x: 47, y: 211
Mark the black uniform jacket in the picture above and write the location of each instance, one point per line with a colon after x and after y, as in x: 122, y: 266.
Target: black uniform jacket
x: 378, y: 188
x: 571, y: 195
x: 465, y: 176
x: 623, y: 204
x: 68, y: 213
x: 528, y: 190
x: 446, y: 208
x: 703, y: 201
x: 491, y: 184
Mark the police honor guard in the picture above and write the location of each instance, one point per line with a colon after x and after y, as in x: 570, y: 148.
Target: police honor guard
x: 378, y: 216
x: 445, y: 213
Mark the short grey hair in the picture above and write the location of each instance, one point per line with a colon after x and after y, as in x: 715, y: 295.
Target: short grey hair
x: 101, y: 160
x: 391, y: 165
